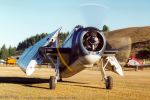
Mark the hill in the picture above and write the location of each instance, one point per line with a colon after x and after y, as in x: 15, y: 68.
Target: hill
x: 140, y: 40
x: 137, y: 34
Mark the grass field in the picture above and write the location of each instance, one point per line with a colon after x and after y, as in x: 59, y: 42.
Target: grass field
x: 87, y: 85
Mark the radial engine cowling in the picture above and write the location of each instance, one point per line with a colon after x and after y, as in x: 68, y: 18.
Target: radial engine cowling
x: 92, y: 41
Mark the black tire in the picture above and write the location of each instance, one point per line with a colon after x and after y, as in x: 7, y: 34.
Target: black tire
x: 109, y: 82
x: 52, y: 84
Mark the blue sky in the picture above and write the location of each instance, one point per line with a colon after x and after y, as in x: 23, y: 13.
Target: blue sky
x: 20, y: 19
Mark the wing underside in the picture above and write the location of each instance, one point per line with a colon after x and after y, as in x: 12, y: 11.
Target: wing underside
x: 110, y: 57
x: 31, y: 57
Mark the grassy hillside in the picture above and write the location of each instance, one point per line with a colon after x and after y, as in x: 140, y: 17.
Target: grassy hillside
x: 137, y: 34
x: 131, y: 41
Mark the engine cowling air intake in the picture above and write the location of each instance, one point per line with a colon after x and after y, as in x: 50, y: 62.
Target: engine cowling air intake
x: 92, y: 40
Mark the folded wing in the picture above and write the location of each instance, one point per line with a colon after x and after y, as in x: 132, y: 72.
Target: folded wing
x: 31, y: 57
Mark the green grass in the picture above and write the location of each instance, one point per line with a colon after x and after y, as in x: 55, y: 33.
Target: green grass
x: 87, y: 85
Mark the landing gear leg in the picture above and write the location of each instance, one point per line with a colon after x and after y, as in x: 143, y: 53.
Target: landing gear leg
x: 54, y: 79
x: 60, y: 77
x: 108, y: 79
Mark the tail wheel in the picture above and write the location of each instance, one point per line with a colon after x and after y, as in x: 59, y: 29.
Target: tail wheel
x: 109, y: 82
x: 52, y: 84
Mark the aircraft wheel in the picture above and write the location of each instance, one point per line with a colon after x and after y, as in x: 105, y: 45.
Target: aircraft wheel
x: 109, y: 82
x: 52, y: 83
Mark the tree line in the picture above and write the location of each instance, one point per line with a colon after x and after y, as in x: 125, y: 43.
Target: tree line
x: 33, y: 39
x: 30, y: 41
x: 7, y: 52
x: 15, y: 51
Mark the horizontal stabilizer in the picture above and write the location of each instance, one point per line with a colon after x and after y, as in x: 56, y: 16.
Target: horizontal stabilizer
x: 31, y: 57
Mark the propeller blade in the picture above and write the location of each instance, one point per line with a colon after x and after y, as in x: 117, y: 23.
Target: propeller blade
x: 94, y: 14
x: 123, y: 44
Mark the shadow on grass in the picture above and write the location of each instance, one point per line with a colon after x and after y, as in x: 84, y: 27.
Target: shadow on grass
x: 23, y: 80
x: 72, y: 82
x: 28, y: 82
x: 30, y: 85
x: 87, y: 86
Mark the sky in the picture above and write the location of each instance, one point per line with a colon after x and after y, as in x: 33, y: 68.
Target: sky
x: 20, y: 19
